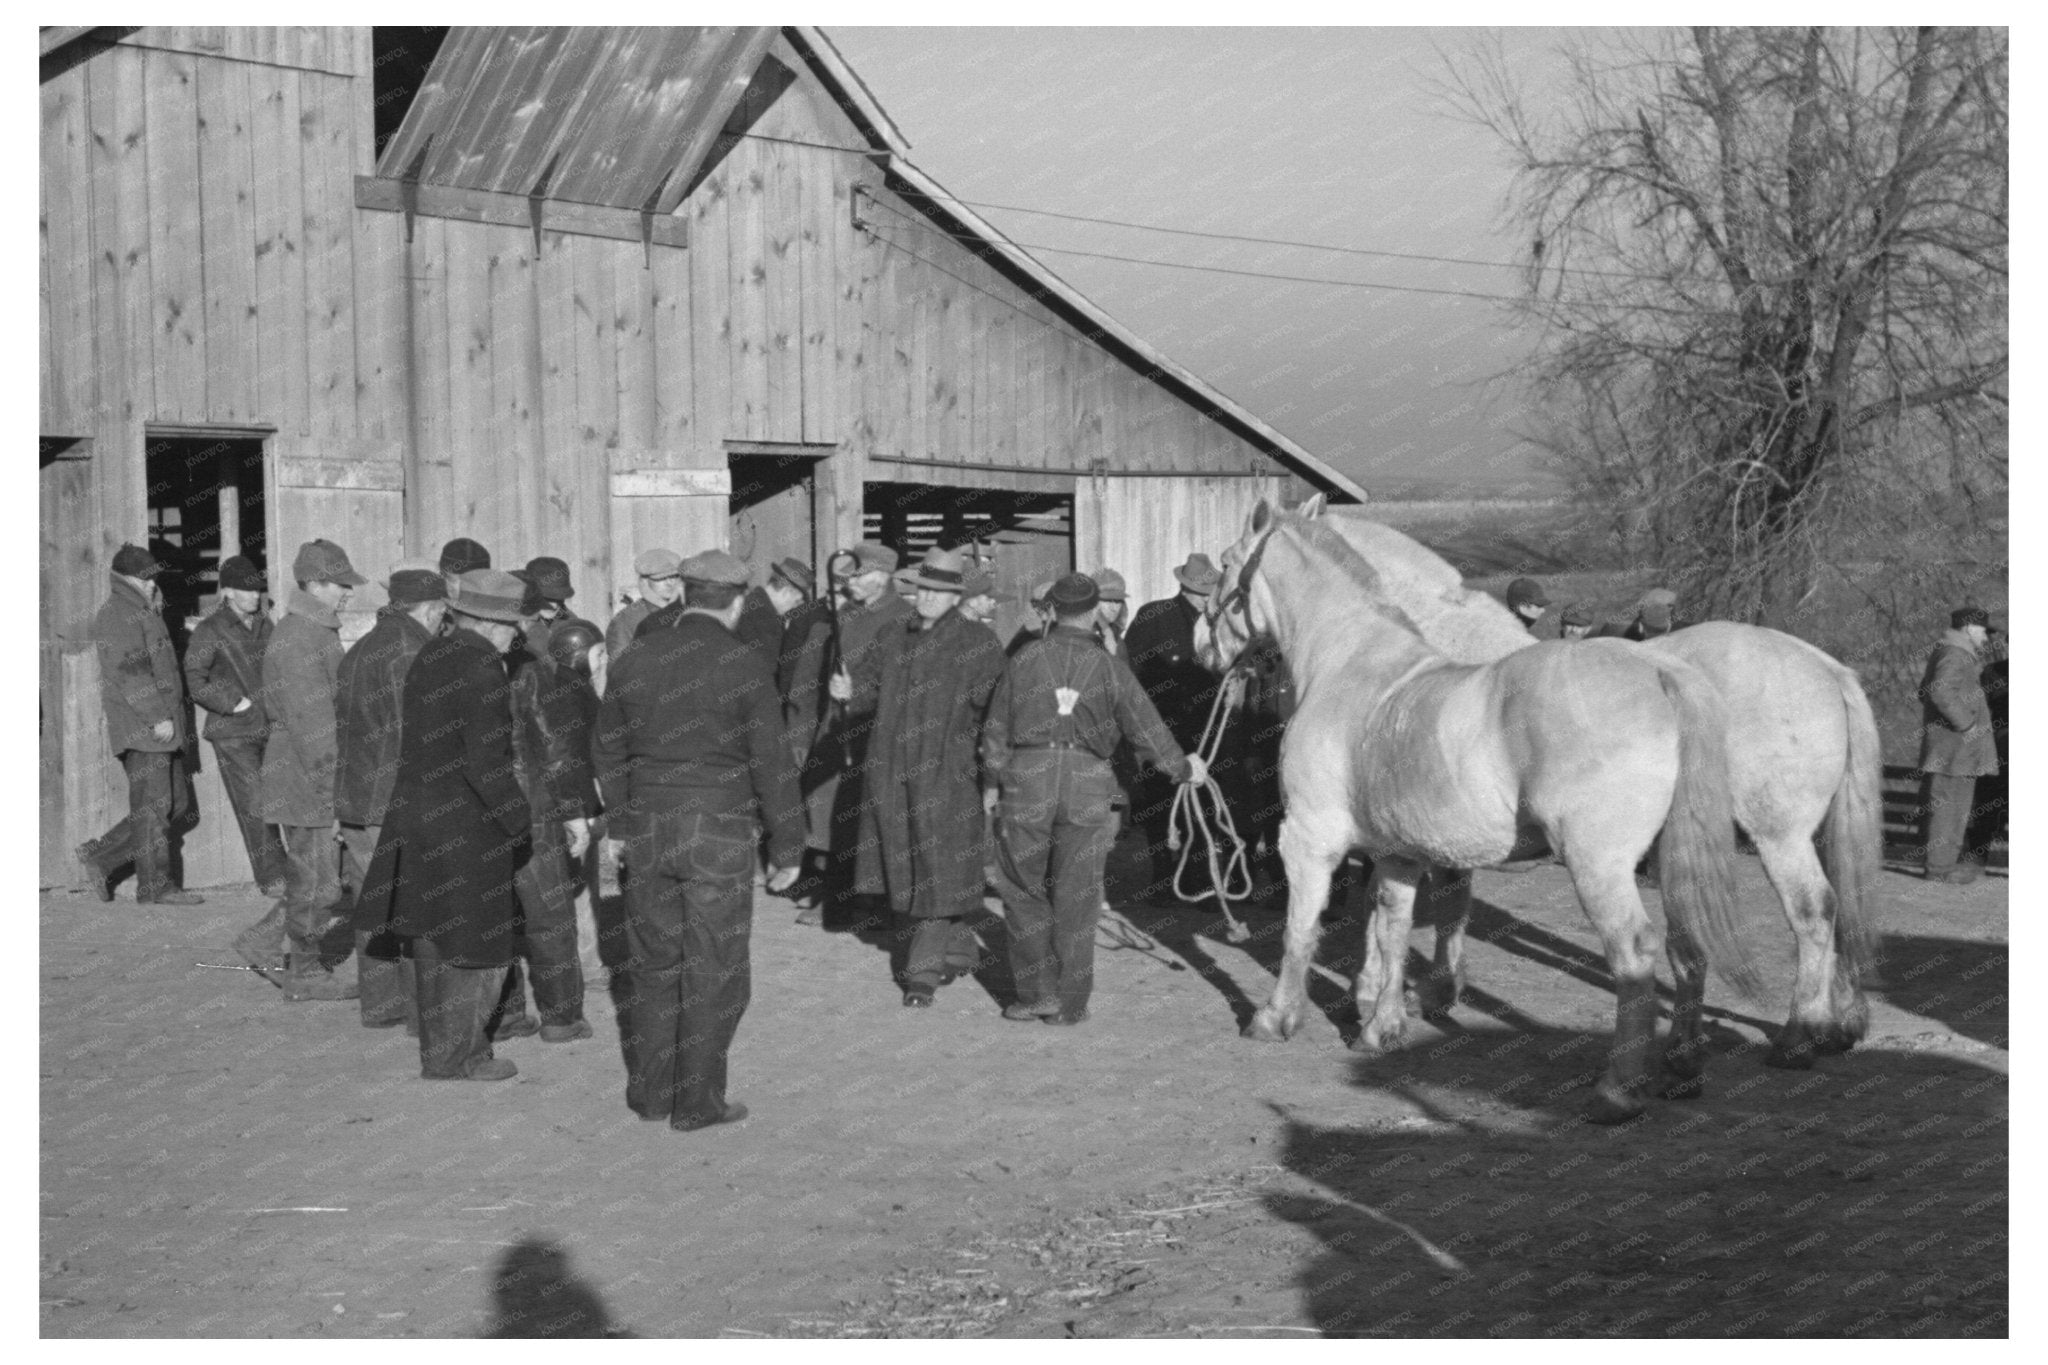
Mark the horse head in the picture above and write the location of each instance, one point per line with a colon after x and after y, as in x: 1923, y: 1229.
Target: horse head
x: 1239, y: 610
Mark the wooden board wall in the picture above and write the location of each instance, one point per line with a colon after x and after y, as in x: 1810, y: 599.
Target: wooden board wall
x: 1145, y: 528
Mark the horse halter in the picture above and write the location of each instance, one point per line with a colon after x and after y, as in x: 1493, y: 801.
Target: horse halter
x: 1238, y: 599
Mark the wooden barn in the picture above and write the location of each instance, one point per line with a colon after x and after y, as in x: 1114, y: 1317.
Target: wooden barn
x: 566, y: 291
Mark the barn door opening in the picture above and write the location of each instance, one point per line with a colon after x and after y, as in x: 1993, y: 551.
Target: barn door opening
x: 772, y: 513
x: 205, y: 505
x: 1023, y: 539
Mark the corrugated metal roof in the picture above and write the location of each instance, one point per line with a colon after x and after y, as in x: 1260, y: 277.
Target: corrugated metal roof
x: 613, y: 116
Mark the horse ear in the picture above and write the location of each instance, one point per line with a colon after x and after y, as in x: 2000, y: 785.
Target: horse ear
x: 1261, y: 515
x: 1313, y: 508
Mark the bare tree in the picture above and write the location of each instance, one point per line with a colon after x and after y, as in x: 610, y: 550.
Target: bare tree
x: 1771, y: 269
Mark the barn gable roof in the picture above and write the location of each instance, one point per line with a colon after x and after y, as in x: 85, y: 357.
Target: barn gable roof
x: 627, y: 118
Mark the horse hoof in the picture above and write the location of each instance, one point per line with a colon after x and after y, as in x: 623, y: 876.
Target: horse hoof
x: 1376, y: 1038
x: 1606, y: 1107
x: 1264, y: 1028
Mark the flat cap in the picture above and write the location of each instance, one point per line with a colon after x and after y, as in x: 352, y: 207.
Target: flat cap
x: 1577, y: 614
x: 1527, y: 592
x: 461, y: 555
x: 240, y: 573
x: 1659, y: 597
x: 715, y: 566
x: 408, y: 586
x: 977, y: 583
x: 551, y: 576
x: 871, y: 555
x: 136, y: 562
x: 1074, y: 592
x: 658, y: 564
x: 323, y: 561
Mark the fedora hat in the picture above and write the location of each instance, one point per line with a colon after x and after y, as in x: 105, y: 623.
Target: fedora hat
x: 490, y: 594
x: 794, y: 572
x: 941, y: 571
x: 1198, y: 575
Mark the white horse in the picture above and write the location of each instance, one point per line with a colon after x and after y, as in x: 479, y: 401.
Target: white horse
x: 1418, y: 761
x: 1805, y: 772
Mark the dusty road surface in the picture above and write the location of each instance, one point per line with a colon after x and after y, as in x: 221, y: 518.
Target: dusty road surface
x: 216, y: 1161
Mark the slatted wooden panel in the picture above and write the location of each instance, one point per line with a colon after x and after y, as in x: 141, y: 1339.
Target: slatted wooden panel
x: 1145, y: 528
x: 340, y: 51
x: 70, y: 377
x: 95, y: 793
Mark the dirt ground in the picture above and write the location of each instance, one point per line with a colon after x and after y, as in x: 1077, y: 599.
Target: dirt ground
x: 218, y: 1162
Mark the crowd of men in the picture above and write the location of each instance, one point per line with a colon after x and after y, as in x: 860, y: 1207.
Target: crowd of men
x: 482, y: 755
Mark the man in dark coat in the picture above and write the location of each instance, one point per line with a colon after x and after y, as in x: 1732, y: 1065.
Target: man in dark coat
x: 457, y: 829
x: 1531, y: 606
x: 1057, y: 715
x: 550, y: 578
x: 369, y: 697
x: 834, y: 780
x: 224, y: 674
x: 693, y: 759
x: 1993, y: 799
x: 144, y: 702
x: 806, y: 640
x: 1161, y: 645
x: 301, y: 673
x: 1956, y: 744
x: 926, y: 846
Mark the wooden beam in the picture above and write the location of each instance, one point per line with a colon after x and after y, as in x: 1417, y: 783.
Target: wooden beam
x: 671, y: 483
x: 386, y: 194
x: 313, y: 472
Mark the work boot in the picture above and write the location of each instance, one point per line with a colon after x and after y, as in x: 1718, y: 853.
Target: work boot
x: 489, y: 1069
x: 88, y: 855
x: 520, y: 1026
x: 316, y: 983
x: 173, y: 895
x: 261, y: 945
x: 565, y: 1033
x: 1024, y: 1014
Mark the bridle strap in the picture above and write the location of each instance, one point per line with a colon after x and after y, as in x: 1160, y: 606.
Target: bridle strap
x: 1239, y: 597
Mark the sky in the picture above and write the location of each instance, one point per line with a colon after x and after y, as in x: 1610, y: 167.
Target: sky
x: 1336, y: 137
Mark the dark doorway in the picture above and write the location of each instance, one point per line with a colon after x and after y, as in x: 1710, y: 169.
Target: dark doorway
x: 1024, y: 539
x: 205, y: 504
x: 772, y: 509
x: 401, y: 57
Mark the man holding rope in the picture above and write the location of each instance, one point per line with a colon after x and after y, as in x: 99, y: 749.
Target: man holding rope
x: 1053, y: 723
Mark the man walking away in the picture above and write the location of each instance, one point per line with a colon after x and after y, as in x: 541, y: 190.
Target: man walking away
x: 928, y: 846
x: 1956, y: 744
x: 369, y: 697
x: 301, y: 672
x: 1054, y: 721
x: 456, y: 830
x: 693, y: 759
x: 144, y: 702
x: 224, y: 674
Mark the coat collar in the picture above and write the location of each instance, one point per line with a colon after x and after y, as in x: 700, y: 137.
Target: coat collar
x: 231, y: 618
x: 463, y: 635
x: 124, y: 589
x: 1960, y: 639
x: 304, y: 604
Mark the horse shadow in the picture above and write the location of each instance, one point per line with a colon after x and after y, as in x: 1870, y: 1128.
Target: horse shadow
x: 1492, y: 1209
x: 535, y: 1294
x: 1961, y: 983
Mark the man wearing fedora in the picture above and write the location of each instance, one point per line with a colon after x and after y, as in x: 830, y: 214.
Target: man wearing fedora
x: 301, y: 671
x: 144, y: 702
x: 456, y: 830
x: 1956, y: 745
x: 661, y: 583
x: 369, y: 708
x: 834, y: 781
x: 693, y: 759
x: 925, y: 842
x: 224, y: 674
x: 1161, y: 642
x: 1057, y: 716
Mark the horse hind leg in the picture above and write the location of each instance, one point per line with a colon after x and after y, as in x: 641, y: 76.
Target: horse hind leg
x: 1449, y: 893
x: 1608, y: 894
x: 1310, y: 862
x: 1383, y: 982
x: 1685, y: 1049
x: 1815, y: 1026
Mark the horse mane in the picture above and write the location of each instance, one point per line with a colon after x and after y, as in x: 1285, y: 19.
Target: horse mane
x: 1354, y: 566
x: 1470, y: 627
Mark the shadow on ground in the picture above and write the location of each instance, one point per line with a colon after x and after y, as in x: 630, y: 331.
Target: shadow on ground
x: 536, y: 1293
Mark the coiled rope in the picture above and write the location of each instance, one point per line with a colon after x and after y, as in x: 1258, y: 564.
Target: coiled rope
x: 1199, y: 809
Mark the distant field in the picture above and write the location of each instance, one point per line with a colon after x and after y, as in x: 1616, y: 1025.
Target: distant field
x: 1487, y: 536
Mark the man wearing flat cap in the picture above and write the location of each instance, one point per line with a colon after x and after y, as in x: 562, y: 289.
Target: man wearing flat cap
x: 144, y: 702
x: 834, y: 781
x: 224, y: 674
x: 1161, y: 645
x: 661, y: 582
x: 1531, y: 606
x: 925, y: 843
x: 694, y: 762
x: 460, y: 556
x: 369, y: 707
x: 1654, y: 617
x: 1956, y: 745
x: 1054, y: 721
x: 1576, y: 622
x: 456, y: 830
x: 301, y: 672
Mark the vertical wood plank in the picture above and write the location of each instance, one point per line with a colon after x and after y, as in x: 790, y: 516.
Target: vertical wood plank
x: 431, y: 506
x: 512, y: 466
x: 823, y: 201
x: 672, y: 362
x: 226, y: 175
x: 69, y: 373
x: 714, y: 357
x: 469, y: 379
x: 565, y: 516
x: 121, y: 291
x: 279, y: 198
x: 594, y: 344
x: 377, y: 254
x: 632, y: 340
x: 782, y: 292
x: 328, y: 239
x: 177, y: 286
x: 747, y: 250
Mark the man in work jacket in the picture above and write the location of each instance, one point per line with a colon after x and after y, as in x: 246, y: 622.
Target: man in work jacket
x: 1053, y: 723
x: 661, y: 582
x: 144, y: 702
x: 693, y: 760
x: 224, y: 674
x: 1160, y: 647
x: 300, y: 671
x: 1956, y: 745
x: 369, y: 692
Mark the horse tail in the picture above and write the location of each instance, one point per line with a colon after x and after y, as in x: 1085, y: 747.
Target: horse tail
x: 1852, y: 836
x: 1696, y: 851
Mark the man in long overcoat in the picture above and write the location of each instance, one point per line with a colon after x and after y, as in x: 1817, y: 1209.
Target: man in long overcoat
x: 1956, y: 744
x: 144, y: 702
x: 301, y: 670
x: 925, y: 844
x: 457, y: 829
x: 224, y: 674
x: 805, y: 641
x: 834, y: 779
x: 370, y: 693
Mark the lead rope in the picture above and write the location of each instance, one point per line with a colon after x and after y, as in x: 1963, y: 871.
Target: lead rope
x: 1190, y: 817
